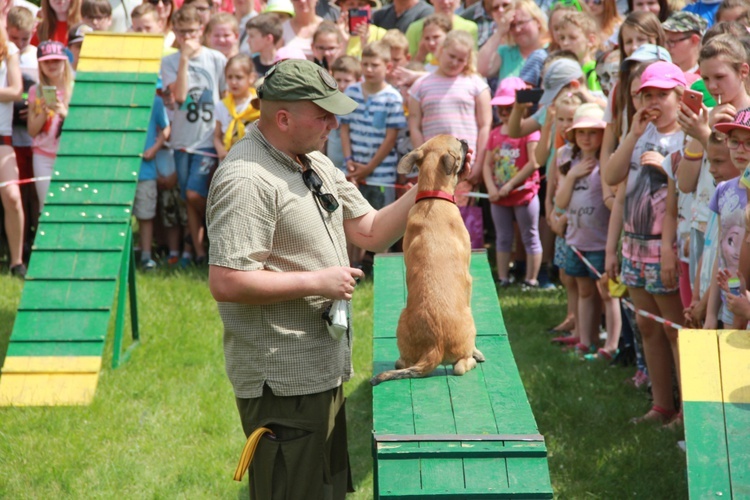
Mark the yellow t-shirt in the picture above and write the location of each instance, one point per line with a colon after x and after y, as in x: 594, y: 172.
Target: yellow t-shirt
x: 354, y: 48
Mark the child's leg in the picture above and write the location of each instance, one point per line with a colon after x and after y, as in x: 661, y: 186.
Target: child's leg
x: 502, y: 217
x: 196, y: 209
x: 686, y: 292
x: 657, y: 350
x: 571, y: 290
x: 528, y: 223
x: 589, y: 311
x: 670, y: 306
x: 613, y: 316
x: 11, y: 201
x: 144, y: 209
x: 199, y: 174
x: 42, y: 168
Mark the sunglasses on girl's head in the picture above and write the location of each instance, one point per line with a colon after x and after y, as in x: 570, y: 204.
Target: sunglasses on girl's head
x: 156, y: 2
x: 314, y: 184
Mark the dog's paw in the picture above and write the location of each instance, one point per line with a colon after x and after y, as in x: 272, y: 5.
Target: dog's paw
x: 478, y: 356
x: 375, y: 381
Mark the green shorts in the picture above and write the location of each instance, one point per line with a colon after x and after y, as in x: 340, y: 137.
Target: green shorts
x: 308, y: 456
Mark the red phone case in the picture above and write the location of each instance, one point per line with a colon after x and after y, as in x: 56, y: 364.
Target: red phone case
x: 358, y: 17
x: 693, y: 99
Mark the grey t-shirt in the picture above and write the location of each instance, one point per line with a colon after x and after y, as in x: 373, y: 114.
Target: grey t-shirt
x: 194, y: 122
x: 386, y: 17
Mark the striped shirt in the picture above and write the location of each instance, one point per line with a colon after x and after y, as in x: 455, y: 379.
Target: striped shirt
x: 368, y: 125
x: 448, y: 105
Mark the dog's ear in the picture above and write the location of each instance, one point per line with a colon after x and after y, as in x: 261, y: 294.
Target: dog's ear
x: 407, y: 162
x: 451, y: 164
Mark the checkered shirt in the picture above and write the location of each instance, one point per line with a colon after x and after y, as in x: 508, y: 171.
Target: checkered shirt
x: 262, y: 216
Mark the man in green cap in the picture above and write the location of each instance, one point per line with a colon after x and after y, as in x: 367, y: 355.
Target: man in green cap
x: 279, y: 216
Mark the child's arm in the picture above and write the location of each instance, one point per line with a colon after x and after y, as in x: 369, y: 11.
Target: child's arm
x: 546, y: 141
x: 219, y: 141
x: 346, y: 146
x: 523, y: 174
x: 689, y: 168
x: 415, y: 123
x: 483, y: 113
x: 609, y: 142
x: 613, y: 233
x: 619, y: 162
x: 669, y: 269
x: 488, y: 59
x: 565, y: 191
x: 608, y: 194
x: 714, y: 301
x: 14, y: 88
x: 489, y: 182
x: 359, y: 171
x: 37, y: 117
x: 553, y: 177
x: 189, y: 49
x: 521, y: 127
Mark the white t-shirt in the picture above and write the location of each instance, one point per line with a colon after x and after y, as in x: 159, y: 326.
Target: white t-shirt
x: 223, y: 116
x: 121, y: 9
x: 704, y: 191
x: 6, y: 108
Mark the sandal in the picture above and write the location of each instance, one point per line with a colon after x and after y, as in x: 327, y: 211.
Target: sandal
x: 602, y: 354
x: 566, y: 340
x: 655, y: 414
x: 676, y: 424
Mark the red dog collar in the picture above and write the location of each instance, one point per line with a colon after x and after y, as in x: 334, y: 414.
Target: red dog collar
x: 441, y: 195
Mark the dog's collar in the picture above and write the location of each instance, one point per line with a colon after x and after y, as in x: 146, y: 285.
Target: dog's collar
x: 441, y: 195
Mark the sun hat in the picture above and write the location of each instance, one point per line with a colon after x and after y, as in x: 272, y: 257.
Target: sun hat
x: 559, y: 74
x: 303, y: 80
x: 741, y: 121
x: 684, y: 22
x: 77, y: 32
x: 506, y: 91
x: 280, y: 7
x: 662, y: 75
x: 649, y: 52
x: 50, y: 50
x: 589, y: 115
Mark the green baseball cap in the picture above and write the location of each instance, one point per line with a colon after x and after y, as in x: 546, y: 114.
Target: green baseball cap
x: 303, y: 80
x: 683, y: 22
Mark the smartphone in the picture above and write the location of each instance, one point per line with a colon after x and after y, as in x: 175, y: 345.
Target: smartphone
x: 49, y: 92
x: 529, y: 95
x: 358, y: 17
x: 693, y: 100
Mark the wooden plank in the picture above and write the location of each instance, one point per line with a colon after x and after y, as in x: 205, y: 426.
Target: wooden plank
x: 52, y: 364
x: 390, y: 294
x: 488, y: 318
x: 442, y: 475
x: 703, y: 414
x: 86, y: 213
x: 97, y: 168
x: 529, y: 476
x: 84, y: 143
x: 52, y: 389
x: 472, y: 407
x: 115, y: 46
x: 49, y: 348
x: 392, y: 410
x: 60, y: 326
x: 75, y: 265
x: 92, y: 96
x: 462, y: 449
x: 396, y: 475
x: 734, y: 351
x: 67, y: 295
x: 124, y: 66
x: 116, y: 77
x: 90, y: 118
x: 91, y: 193
x: 61, y: 236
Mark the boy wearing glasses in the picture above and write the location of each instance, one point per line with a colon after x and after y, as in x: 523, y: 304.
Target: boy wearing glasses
x: 97, y: 14
x: 279, y: 216
x: 195, y: 75
x: 684, y: 32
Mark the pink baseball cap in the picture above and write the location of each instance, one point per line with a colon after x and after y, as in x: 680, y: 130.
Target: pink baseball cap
x: 741, y: 121
x: 50, y: 50
x: 662, y: 75
x: 506, y: 91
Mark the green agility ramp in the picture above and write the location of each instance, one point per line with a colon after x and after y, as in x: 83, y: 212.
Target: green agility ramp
x: 446, y: 436
x: 82, y: 255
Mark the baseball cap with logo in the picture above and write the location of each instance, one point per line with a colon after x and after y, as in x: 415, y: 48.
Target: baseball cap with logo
x: 50, y: 50
x: 683, y: 22
x: 303, y: 80
x: 559, y: 74
x: 662, y: 75
x: 506, y: 91
x: 741, y: 121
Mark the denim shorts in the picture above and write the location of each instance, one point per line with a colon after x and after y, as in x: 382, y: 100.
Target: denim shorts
x: 561, y: 252
x: 194, y: 171
x: 647, y: 276
x: 575, y: 267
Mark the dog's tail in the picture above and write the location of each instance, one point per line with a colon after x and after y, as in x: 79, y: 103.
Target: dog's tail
x: 420, y: 369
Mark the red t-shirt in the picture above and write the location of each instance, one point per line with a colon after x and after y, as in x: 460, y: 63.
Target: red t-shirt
x: 508, y: 157
x: 59, y: 35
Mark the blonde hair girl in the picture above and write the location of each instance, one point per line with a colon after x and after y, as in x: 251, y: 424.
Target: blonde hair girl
x: 57, y: 16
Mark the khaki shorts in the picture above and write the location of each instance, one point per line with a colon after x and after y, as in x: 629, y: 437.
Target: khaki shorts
x: 144, y: 207
x: 308, y: 456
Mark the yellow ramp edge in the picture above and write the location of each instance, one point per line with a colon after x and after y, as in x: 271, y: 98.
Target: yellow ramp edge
x: 102, y: 45
x: 52, y: 364
x: 48, y: 389
x: 734, y: 347
x: 699, y: 365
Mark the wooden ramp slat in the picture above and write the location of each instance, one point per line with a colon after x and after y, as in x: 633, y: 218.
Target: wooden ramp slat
x: 445, y: 436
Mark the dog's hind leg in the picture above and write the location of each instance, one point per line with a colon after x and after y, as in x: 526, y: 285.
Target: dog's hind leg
x: 464, y: 365
x: 478, y: 356
x: 400, y: 364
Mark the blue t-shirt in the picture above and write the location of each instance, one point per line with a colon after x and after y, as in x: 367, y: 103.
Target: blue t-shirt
x: 368, y: 125
x: 512, y: 61
x: 158, y: 120
x: 531, y: 72
x: 706, y: 10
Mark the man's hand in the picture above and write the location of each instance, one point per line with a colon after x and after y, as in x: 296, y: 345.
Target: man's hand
x: 338, y: 282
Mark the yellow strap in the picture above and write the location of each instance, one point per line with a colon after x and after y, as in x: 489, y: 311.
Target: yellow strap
x: 249, y: 451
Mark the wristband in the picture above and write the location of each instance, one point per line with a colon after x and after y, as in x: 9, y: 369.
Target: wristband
x: 690, y: 155
x: 559, y: 211
x: 348, y: 158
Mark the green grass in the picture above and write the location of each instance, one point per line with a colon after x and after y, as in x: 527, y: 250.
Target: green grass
x: 164, y: 425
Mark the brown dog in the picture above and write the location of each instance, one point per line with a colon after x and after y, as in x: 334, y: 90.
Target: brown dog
x: 436, y: 326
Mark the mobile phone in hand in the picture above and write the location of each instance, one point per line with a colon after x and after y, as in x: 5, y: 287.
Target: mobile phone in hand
x: 49, y: 92
x: 529, y: 95
x: 358, y: 17
x: 693, y: 100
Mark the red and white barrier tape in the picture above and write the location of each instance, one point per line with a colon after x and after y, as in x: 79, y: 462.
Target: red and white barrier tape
x: 625, y: 301
x: 198, y: 152
x: 18, y: 182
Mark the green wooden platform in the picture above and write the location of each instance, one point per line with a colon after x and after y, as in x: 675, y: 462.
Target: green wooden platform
x: 445, y: 436
x: 82, y: 258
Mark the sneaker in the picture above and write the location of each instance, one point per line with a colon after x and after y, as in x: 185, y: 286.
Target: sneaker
x: 173, y: 260
x: 201, y: 261
x: 185, y: 262
x: 148, y: 265
x: 503, y: 283
x: 529, y: 285
x: 18, y: 271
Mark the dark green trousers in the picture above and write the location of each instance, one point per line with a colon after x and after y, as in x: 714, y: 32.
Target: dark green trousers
x: 307, y: 458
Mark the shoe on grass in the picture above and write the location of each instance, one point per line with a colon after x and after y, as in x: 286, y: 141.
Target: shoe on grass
x: 19, y: 271
x: 148, y: 264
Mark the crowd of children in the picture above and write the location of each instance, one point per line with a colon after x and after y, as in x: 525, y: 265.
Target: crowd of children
x: 611, y: 141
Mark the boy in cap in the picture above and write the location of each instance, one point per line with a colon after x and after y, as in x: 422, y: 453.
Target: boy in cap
x: 684, y: 31
x: 279, y: 215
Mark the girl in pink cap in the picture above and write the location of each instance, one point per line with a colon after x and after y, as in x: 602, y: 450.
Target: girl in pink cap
x: 640, y: 209
x: 512, y: 178
x: 48, y: 110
